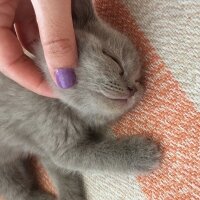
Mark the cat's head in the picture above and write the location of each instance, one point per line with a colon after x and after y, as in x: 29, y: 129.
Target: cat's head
x: 108, y: 72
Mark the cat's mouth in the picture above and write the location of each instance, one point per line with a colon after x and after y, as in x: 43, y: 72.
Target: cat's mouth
x: 118, y: 96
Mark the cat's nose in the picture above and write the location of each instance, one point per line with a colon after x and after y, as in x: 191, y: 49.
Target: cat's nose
x: 132, y: 90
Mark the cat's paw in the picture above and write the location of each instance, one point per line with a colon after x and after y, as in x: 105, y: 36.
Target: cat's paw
x: 145, y: 154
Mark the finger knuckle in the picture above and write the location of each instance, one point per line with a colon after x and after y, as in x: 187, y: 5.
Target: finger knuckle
x: 58, y: 47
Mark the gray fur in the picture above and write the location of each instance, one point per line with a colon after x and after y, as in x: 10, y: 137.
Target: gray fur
x: 70, y: 135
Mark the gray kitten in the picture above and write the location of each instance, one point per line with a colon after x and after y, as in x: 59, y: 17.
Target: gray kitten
x: 69, y: 135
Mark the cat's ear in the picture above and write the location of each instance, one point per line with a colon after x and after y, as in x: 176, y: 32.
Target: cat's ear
x: 83, y: 12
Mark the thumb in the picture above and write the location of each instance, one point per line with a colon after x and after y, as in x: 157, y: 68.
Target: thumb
x: 58, y: 39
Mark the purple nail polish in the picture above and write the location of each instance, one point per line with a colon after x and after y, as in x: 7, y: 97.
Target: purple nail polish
x: 65, y: 77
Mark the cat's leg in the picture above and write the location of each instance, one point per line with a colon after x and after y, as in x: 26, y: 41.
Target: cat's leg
x: 134, y: 154
x: 16, y: 183
x: 69, y: 185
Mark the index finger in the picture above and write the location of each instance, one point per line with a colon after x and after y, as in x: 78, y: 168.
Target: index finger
x: 58, y: 39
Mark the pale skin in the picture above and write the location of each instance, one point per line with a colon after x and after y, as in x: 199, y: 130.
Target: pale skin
x: 28, y: 19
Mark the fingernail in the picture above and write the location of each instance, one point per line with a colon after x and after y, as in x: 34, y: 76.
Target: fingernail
x: 65, y: 77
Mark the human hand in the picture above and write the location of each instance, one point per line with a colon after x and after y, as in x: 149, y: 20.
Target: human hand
x: 54, y: 23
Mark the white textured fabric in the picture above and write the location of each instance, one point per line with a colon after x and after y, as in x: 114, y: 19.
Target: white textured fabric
x: 113, y: 187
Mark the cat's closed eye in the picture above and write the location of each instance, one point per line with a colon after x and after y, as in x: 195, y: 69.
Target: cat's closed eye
x: 111, y: 56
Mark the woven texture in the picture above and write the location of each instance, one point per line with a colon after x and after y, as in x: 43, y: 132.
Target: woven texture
x: 167, y: 36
